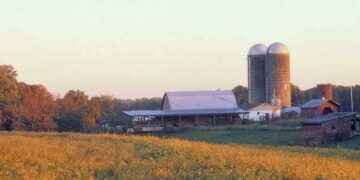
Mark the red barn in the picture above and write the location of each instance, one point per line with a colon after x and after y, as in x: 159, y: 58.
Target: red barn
x: 318, y: 107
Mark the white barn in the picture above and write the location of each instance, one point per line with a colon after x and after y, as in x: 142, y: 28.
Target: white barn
x: 262, y: 112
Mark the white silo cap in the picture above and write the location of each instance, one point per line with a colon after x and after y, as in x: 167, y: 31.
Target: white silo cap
x: 257, y: 49
x: 278, y: 48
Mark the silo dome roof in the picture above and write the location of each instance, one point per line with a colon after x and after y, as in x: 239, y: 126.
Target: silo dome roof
x: 257, y: 49
x: 278, y: 48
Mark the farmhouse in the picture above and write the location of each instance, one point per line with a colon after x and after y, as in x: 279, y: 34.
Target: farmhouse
x: 318, y: 107
x: 332, y: 127
x: 189, y: 108
x: 262, y: 112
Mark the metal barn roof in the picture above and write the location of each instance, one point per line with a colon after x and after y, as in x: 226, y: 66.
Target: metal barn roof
x: 316, y: 103
x: 321, y: 119
x: 292, y: 109
x: 263, y: 106
x: 184, y: 112
x: 196, y: 100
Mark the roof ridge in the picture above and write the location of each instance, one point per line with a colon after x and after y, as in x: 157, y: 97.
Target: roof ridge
x: 198, y: 91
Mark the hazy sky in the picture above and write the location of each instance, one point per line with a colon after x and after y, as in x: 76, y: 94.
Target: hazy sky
x: 141, y: 48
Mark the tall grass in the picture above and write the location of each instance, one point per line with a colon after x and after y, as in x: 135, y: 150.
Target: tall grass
x: 78, y: 156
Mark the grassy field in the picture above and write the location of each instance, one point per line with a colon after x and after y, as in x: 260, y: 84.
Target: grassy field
x: 278, y: 133
x: 255, y: 137
x: 241, y: 136
x: 290, y: 141
x: 80, y: 156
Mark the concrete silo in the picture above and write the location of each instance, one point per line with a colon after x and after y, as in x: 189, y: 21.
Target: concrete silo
x: 326, y: 91
x: 256, y: 73
x: 277, y: 75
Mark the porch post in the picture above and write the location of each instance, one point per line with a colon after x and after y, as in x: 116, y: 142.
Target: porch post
x: 132, y: 122
x: 214, y: 120
x: 162, y: 121
x: 237, y: 117
x: 196, y: 119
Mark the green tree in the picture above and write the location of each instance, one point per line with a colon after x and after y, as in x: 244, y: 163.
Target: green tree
x: 343, y: 96
x: 9, y: 96
x: 137, y: 104
x: 297, y: 95
x: 75, y: 112
x: 105, y: 106
x: 241, y: 94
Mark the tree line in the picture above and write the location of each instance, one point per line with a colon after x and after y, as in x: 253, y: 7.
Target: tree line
x: 33, y: 108
x: 299, y: 97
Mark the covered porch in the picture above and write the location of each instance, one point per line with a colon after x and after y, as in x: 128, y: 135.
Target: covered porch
x: 158, y: 120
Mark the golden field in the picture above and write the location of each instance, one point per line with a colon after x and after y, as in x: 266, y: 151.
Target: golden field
x: 80, y: 156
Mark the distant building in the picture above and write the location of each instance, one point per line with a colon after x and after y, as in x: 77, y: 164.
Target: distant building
x: 291, y: 109
x: 332, y: 127
x: 189, y: 108
x: 318, y: 107
x: 262, y: 112
x: 325, y: 91
x: 291, y: 112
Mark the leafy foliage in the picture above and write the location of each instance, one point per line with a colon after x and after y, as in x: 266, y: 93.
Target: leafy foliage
x: 37, y: 108
x: 9, y: 96
x: 241, y: 94
x: 75, y: 112
x: 297, y: 95
x: 341, y: 95
x: 33, y: 108
x: 139, y: 104
x: 9, y: 92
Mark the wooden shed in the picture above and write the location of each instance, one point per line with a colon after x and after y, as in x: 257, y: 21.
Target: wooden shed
x: 319, y: 107
x: 329, y: 128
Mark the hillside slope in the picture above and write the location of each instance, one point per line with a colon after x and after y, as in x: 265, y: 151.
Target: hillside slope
x: 69, y: 156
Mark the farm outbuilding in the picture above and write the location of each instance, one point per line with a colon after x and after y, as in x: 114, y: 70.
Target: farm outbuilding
x: 325, y: 91
x: 262, y: 112
x: 188, y: 109
x: 318, y: 107
x: 332, y: 127
x: 291, y: 112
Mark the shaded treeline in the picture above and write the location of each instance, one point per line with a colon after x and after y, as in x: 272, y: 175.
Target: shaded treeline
x: 341, y: 95
x: 34, y: 108
x: 299, y: 97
